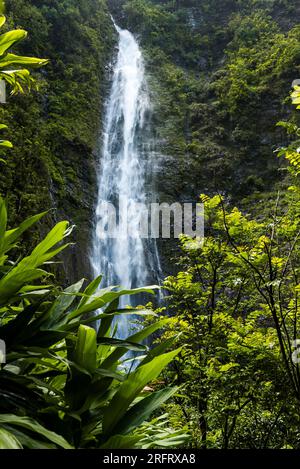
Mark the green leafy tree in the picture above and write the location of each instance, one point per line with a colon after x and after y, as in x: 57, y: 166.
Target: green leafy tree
x: 292, y: 152
x: 235, y: 303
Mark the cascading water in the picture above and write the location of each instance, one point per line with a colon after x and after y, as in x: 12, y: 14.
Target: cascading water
x: 124, y: 260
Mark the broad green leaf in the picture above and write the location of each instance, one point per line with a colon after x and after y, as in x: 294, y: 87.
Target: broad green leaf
x: 14, y: 281
x: 138, y: 337
x: 83, y: 359
x: 3, y: 223
x: 86, y: 348
x: 167, y: 439
x: 121, y: 343
x: 159, y: 349
x: 131, y: 388
x: 136, y: 312
x: 89, y: 291
x: 8, y: 440
x: 29, y: 442
x: 56, y: 235
x: 61, y: 304
x: 10, y: 38
x: 121, y: 442
x: 103, y: 299
x: 141, y: 411
x: 2, y: 20
x: 35, y: 427
x: 11, y: 59
x: 12, y: 235
x: 6, y: 144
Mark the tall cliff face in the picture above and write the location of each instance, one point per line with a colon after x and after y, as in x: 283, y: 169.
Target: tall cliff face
x: 56, y: 130
x: 219, y: 73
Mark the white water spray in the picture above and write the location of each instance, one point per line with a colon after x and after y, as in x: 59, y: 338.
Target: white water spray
x: 124, y: 260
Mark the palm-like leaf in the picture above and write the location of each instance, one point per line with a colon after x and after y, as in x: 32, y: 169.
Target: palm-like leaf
x: 57, y: 364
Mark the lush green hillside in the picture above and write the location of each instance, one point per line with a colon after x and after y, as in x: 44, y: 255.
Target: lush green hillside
x: 58, y: 126
x: 220, y: 74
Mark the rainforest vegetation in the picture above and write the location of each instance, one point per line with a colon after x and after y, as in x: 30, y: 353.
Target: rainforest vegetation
x: 218, y: 358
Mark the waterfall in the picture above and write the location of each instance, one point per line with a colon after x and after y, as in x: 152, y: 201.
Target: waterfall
x: 124, y: 260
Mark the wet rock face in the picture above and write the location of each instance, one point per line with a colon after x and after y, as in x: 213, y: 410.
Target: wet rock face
x: 77, y: 206
x: 200, y: 145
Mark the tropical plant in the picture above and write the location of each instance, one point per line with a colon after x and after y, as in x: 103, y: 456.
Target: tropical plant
x: 14, y: 68
x: 18, y: 77
x: 66, y: 383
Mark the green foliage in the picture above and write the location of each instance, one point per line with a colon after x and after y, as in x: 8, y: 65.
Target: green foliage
x: 160, y: 28
x: 292, y: 152
x: 235, y: 305
x: 219, y: 73
x: 191, y: 50
x: 296, y: 97
x: 16, y: 78
x: 59, y: 126
x: 65, y: 384
x: 259, y: 57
